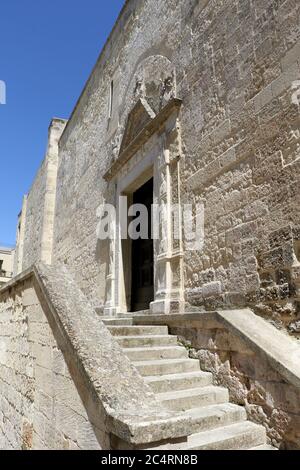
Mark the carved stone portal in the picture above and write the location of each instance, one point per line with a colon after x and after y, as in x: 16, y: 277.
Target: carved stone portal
x: 151, y: 147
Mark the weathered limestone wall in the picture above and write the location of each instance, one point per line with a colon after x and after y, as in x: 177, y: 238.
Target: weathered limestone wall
x: 37, y: 217
x: 242, y: 157
x: 236, y: 63
x: 40, y: 407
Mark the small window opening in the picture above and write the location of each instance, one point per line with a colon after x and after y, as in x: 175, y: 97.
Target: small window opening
x: 111, y: 99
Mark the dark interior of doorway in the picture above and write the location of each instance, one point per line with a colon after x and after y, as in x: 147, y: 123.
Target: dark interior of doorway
x: 142, y: 288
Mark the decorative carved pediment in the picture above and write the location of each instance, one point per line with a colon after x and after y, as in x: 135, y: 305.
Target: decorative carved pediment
x: 138, y: 118
x: 142, y: 123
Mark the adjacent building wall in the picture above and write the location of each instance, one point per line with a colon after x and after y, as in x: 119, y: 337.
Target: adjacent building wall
x: 6, y: 264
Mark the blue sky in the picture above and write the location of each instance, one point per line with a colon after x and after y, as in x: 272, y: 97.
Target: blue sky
x: 47, y: 51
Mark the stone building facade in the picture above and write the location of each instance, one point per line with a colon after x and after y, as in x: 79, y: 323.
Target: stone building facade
x: 6, y: 264
x: 201, y: 97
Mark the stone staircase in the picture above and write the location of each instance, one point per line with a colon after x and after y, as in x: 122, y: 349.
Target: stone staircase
x: 181, y: 386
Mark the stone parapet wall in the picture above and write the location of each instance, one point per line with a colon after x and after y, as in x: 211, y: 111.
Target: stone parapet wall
x: 278, y: 298
x: 40, y: 407
x: 267, y: 398
x: 258, y: 364
x: 65, y: 383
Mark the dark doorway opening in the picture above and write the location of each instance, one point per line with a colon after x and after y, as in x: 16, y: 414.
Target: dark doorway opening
x: 142, y: 288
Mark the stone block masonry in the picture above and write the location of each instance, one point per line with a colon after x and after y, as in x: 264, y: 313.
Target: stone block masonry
x: 40, y: 406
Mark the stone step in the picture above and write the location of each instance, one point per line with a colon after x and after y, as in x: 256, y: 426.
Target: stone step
x: 138, y: 313
x: 239, y: 436
x: 180, y: 385
x: 215, y: 416
x: 172, y: 382
x: 144, y: 341
x: 167, y: 366
x: 264, y: 447
x: 138, y: 330
x: 117, y: 321
x: 99, y: 310
x: 183, y: 400
x: 154, y: 353
x: 206, y: 419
